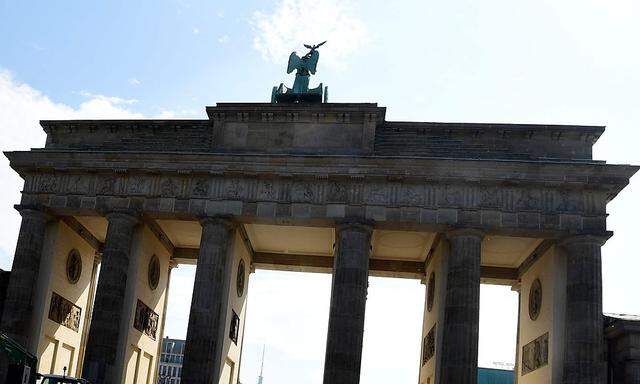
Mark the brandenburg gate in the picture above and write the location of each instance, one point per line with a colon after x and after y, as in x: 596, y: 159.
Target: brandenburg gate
x: 109, y: 207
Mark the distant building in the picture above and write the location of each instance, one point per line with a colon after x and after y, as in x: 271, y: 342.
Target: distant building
x: 495, y: 376
x: 170, y: 370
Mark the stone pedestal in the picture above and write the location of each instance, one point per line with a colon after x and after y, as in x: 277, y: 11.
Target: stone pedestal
x: 105, y: 336
x: 18, y: 313
x: 205, y: 334
x: 462, y: 309
x: 584, y: 360
x: 348, y: 301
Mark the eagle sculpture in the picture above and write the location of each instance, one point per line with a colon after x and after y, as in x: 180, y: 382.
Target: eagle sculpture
x: 305, y: 66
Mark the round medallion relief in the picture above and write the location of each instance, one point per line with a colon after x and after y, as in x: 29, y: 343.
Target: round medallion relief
x: 535, y: 299
x: 431, y: 287
x: 240, y: 279
x: 74, y: 266
x: 154, y: 272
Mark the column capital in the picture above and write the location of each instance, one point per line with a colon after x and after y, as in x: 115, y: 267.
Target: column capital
x: 34, y: 211
x: 225, y: 220
x: 598, y: 240
x: 465, y: 232
x: 131, y: 215
x: 354, y: 223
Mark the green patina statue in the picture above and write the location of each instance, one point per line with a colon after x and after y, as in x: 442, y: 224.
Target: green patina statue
x: 305, y: 66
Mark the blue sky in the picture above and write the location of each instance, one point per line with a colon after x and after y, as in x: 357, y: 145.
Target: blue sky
x: 543, y: 61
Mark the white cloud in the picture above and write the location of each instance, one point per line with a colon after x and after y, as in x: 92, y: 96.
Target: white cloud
x: 21, y: 108
x: 109, y: 99
x: 310, y: 21
x: 134, y: 81
x: 223, y: 39
x: 195, y: 31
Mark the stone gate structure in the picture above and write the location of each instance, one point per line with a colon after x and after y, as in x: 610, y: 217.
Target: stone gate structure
x: 110, y: 206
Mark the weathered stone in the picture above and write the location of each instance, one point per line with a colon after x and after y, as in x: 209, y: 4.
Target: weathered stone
x: 18, y: 314
x: 105, y: 339
x: 310, y: 165
x: 584, y: 357
x: 348, y: 300
x: 205, y: 332
x: 462, y: 309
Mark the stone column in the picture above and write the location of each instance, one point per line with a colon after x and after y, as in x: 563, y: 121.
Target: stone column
x: 205, y: 332
x: 19, y: 312
x: 462, y: 308
x: 584, y: 360
x: 348, y: 300
x: 105, y: 338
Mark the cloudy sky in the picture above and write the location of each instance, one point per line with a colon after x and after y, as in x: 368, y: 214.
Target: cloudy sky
x: 543, y: 61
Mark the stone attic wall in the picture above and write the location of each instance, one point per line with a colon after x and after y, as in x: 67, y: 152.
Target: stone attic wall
x: 343, y: 132
x: 486, y: 141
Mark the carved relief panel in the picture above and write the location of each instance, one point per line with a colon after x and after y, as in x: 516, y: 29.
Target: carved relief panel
x: 535, y: 354
x: 429, y: 345
x: 64, y: 312
x: 146, y: 320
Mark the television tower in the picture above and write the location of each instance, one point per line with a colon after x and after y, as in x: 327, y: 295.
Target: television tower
x: 261, y: 367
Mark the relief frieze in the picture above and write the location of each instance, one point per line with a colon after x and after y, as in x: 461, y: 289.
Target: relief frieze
x: 234, y: 189
x: 64, y: 312
x: 567, y: 202
x: 170, y: 187
x: 302, y: 192
x: 353, y: 190
x: 429, y: 345
x: 377, y: 193
x: 411, y: 194
x: 450, y: 196
x: 528, y: 200
x: 267, y: 190
x: 535, y: 354
x: 139, y: 185
x: 200, y: 187
x: 48, y: 183
x: 146, y: 320
x: 337, y: 192
x: 78, y: 184
x: 490, y: 197
x: 107, y: 185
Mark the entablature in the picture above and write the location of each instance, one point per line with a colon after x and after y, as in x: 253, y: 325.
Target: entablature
x: 503, y: 197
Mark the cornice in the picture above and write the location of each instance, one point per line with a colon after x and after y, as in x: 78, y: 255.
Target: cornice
x: 473, y: 172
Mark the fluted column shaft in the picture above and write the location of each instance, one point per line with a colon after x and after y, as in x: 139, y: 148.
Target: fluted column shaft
x: 18, y: 314
x: 105, y: 338
x: 205, y: 332
x: 462, y: 309
x: 348, y: 301
x: 584, y: 361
